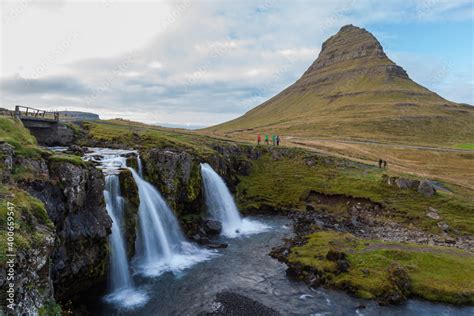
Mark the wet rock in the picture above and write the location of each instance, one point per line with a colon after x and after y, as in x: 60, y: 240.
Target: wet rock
x: 216, y: 245
x: 212, y: 227
x: 76, y: 150
x: 426, y: 188
x: 309, y: 208
x: 229, y: 303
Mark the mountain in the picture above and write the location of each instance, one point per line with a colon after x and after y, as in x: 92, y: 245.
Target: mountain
x: 79, y: 116
x: 354, y: 91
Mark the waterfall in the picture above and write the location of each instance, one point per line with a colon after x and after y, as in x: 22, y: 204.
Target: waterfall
x: 119, y: 269
x: 123, y: 292
x: 221, y: 206
x: 140, y: 166
x: 161, y: 245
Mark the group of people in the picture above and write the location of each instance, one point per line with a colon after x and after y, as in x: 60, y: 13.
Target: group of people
x: 275, y: 140
x: 382, y: 163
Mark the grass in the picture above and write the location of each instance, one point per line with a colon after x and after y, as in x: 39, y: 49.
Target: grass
x: 282, y: 184
x: 429, y: 268
x: 465, y: 146
x: 138, y: 135
x: 73, y: 159
x: 453, y: 167
x: 13, y: 133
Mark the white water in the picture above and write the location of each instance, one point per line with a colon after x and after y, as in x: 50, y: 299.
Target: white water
x: 161, y: 245
x: 119, y: 270
x: 140, y: 166
x: 123, y: 291
x: 221, y: 206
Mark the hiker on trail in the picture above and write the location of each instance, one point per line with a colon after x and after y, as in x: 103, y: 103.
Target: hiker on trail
x: 266, y: 139
x: 273, y: 139
x: 259, y: 139
x: 385, y: 164
x: 278, y: 140
x: 380, y: 163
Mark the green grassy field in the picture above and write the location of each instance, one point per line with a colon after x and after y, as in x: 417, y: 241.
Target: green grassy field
x: 281, y: 183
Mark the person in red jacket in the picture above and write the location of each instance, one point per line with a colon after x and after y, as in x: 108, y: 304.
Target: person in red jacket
x: 259, y: 139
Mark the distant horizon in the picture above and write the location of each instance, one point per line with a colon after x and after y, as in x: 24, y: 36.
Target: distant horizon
x: 235, y: 56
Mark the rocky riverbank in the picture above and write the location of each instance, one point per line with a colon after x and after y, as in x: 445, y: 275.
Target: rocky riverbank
x: 374, y: 258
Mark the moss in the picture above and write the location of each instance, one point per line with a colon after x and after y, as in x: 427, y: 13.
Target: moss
x: 282, y: 184
x: 28, y: 213
x: 430, y: 268
x: 73, y: 159
x: 50, y: 308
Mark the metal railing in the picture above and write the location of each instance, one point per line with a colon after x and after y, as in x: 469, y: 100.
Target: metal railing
x: 25, y: 111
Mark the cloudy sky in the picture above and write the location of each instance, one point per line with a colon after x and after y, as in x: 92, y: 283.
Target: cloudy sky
x: 198, y: 63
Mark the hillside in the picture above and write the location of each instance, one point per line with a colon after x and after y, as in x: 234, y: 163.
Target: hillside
x: 354, y: 91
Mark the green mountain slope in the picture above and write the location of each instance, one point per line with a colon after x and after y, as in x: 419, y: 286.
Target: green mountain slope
x: 354, y: 91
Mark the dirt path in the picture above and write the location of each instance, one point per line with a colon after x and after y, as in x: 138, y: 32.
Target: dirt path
x: 297, y: 140
x: 448, y: 251
x: 452, y: 165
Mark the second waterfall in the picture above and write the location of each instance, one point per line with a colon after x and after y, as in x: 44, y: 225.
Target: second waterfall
x: 221, y: 206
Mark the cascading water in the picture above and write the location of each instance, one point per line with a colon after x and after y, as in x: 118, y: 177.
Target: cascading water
x: 119, y: 269
x: 221, y: 206
x: 140, y: 166
x: 123, y: 291
x: 161, y: 245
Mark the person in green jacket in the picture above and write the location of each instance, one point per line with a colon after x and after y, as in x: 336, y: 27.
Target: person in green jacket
x: 273, y: 139
x: 266, y: 139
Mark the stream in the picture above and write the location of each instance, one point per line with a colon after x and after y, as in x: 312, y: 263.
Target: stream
x: 246, y: 268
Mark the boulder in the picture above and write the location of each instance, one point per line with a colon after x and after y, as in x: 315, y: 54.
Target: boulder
x: 433, y: 213
x: 443, y: 226
x: 76, y: 150
x: 212, y: 227
x: 403, y: 183
x: 342, y: 266
x: 334, y: 255
x: 426, y: 188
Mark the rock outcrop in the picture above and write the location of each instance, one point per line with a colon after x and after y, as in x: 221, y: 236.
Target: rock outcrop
x: 131, y: 203
x: 73, y: 254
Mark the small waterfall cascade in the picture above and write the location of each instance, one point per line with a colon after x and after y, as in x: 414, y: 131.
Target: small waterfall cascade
x: 122, y: 289
x: 119, y: 270
x: 219, y: 201
x: 221, y: 206
x: 161, y: 245
x: 140, y: 166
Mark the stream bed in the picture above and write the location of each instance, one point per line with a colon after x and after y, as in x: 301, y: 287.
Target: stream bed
x: 246, y: 268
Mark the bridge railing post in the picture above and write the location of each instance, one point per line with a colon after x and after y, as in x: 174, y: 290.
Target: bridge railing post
x: 17, y: 111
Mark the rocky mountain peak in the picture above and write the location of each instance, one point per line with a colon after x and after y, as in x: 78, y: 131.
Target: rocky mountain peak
x: 353, y: 48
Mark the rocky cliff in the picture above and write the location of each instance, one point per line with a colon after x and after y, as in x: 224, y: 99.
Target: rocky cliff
x: 61, y: 225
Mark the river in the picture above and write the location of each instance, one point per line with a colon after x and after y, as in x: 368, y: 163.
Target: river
x: 246, y: 268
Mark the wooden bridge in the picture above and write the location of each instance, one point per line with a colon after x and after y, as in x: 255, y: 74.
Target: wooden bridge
x: 25, y: 113
x: 44, y: 125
